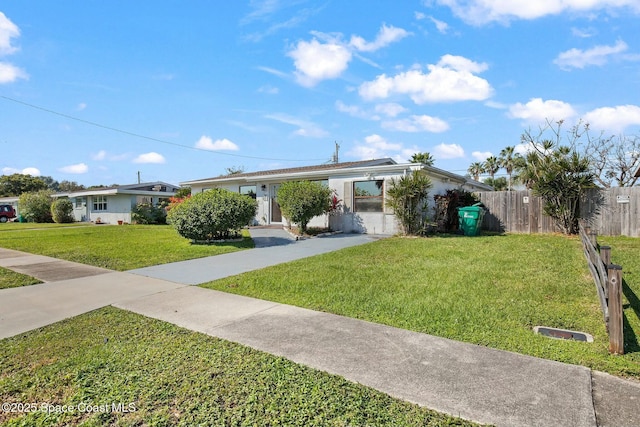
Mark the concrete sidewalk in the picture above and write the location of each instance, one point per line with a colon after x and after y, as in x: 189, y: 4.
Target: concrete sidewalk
x: 474, y: 382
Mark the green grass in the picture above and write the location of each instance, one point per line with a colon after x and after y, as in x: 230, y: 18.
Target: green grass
x: 12, y: 226
x: 488, y: 290
x: 172, y: 376
x: 114, y: 247
x: 11, y: 279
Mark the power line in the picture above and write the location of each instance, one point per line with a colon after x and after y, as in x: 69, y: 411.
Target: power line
x: 137, y: 135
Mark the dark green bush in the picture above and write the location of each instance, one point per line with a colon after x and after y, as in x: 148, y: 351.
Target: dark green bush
x: 36, y: 206
x: 62, y: 211
x: 146, y: 213
x: 212, y: 215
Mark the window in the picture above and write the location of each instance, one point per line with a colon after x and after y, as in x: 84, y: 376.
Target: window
x: 99, y: 203
x: 79, y: 202
x: 144, y: 200
x: 324, y: 182
x: 249, y: 190
x: 367, y: 196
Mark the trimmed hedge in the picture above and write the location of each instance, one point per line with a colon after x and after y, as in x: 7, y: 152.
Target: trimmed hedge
x: 215, y: 214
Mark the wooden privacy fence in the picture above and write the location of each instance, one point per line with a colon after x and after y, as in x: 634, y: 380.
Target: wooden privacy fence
x: 608, y: 280
x: 612, y: 211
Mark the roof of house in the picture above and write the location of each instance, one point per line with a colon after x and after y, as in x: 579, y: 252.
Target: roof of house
x: 157, y: 187
x: 303, y: 169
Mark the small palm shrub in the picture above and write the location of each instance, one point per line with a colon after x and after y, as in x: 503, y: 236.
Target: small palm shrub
x: 408, y: 199
x: 212, y: 215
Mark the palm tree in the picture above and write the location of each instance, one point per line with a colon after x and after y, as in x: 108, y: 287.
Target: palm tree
x: 509, y: 160
x: 491, y: 166
x: 475, y: 169
x: 424, y: 158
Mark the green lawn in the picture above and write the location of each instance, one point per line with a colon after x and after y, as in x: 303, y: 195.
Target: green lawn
x: 110, y: 246
x: 165, y: 375
x: 11, y: 279
x: 488, y: 290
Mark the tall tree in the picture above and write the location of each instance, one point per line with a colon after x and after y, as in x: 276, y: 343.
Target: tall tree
x: 509, y: 159
x: 614, y: 159
x: 475, y: 170
x: 491, y: 166
x: 424, y: 158
x: 17, y: 183
x: 70, y: 186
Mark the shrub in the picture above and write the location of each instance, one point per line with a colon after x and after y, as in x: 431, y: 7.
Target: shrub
x: 212, y: 215
x: 408, y: 199
x: 146, y: 213
x: 446, y: 208
x: 62, y: 211
x: 36, y: 206
x: 300, y: 201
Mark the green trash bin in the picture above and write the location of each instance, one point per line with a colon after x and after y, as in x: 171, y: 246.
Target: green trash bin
x: 470, y: 219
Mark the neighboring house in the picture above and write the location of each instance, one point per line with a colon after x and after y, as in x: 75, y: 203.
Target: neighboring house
x: 114, y: 204
x: 361, y: 186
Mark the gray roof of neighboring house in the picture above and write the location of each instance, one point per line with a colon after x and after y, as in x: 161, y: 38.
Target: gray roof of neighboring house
x: 142, y: 188
x: 327, y: 167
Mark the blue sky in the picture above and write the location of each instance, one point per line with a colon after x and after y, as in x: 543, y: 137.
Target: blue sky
x: 95, y: 91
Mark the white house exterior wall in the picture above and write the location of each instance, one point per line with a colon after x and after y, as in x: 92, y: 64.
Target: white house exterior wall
x: 345, y: 220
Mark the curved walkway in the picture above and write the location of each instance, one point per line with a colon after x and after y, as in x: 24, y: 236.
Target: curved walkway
x: 474, y: 382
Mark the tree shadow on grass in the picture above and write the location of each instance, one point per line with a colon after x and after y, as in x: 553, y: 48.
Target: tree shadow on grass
x: 630, y: 339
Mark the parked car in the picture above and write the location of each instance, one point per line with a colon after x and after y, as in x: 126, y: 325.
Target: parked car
x: 6, y: 213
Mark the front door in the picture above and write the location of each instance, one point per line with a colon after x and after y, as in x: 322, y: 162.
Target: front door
x: 276, y: 215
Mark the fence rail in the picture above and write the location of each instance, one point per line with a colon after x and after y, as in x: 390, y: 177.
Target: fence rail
x: 608, y: 281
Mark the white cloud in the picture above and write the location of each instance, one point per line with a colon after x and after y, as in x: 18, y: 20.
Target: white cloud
x: 79, y: 168
x: 273, y: 71
x: 315, y: 61
x: 415, y: 123
x: 613, y: 119
x: 100, y: 155
x: 269, y: 90
x: 25, y: 171
x: 327, y: 56
x: 537, y: 111
x: 8, y: 31
x: 386, y: 36
x: 305, y: 128
x: 82, y: 106
x: 390, y: 109
x: 441, y: 26
x: 522, y: 148
x: 598, y: 55
x: 151, y: 157
x: 583, y: 33
x: 452, y: 79
x: 206, y: 143
x: 354, y: 111
x: 480, y: 12
x: 448, y: 151
x: 481, y: 156
x: 376, y: 147
x: 10, y: 73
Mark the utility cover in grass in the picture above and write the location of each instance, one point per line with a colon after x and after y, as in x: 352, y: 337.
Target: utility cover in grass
x: 562, y: 334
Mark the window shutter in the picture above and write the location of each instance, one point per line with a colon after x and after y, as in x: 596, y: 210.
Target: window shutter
x: 347, y: 198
